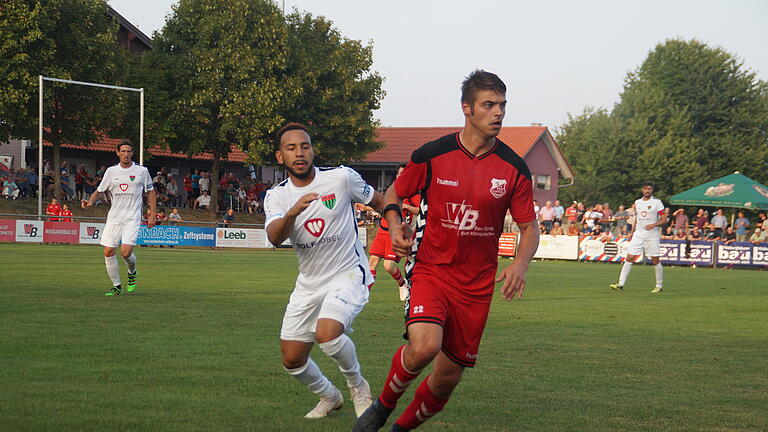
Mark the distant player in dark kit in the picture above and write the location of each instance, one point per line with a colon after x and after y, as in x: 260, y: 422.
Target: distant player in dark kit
x: 467, y: 181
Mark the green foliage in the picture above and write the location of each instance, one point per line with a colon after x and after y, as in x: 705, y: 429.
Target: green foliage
x: 337, y: 92
x: 68, y: 39
x: 688, y: 114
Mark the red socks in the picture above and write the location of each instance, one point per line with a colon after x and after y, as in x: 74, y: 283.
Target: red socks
x: 425, y: 404
x: 398, y: 277
x: 397, y: 381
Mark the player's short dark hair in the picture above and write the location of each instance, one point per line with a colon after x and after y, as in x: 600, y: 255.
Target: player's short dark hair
x: 124, y: 142
x: 480, y: 80
x: 647, y: 183
x: 288, y: 127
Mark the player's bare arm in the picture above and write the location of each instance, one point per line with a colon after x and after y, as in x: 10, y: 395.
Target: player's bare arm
x: 280, y: 228
x: 91, y: 200
x: 399, y: 231
x: 410, y: 209
x: 152, y: 201
x: 514, y: 275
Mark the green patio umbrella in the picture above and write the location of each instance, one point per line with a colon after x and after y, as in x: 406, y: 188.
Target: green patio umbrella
x: 735, y: 190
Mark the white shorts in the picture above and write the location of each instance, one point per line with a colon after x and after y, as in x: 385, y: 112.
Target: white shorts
x: 637, y: 245
x: 339, y: 299
x: 115, y: 234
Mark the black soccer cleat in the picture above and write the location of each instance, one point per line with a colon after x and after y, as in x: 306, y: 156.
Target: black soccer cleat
x: 115, y: 291
x: 397, y: 428
x: 373, y: 418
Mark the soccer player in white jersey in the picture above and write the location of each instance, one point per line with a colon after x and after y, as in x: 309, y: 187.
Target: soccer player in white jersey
x: 126, y: 182
x: 645, y: 236
x: 314, y: 207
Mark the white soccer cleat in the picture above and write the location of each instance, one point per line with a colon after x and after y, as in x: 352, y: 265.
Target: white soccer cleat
x: 405, y: 290
x: 658, y: 289
x: 326, y: 406
x: 361, y: 397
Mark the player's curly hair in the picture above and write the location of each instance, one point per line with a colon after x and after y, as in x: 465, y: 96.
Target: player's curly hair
x: 288, y: 127
x: 647, y: 183
x: 480, y: 80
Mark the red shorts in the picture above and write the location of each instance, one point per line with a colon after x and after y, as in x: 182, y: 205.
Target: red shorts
x: 462, y: 317
x: 382, y: 246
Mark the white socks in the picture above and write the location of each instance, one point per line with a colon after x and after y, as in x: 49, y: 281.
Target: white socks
x: 625, y: 269
x: 131, y: 261
x: 316, y: 382
x: 113, y: 269
x: 342, y: 350
x: 659, y: 274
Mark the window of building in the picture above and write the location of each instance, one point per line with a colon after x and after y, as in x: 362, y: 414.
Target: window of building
x: 543, y: 181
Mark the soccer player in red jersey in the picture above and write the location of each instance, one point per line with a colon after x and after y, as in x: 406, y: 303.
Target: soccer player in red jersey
x: 381, y: 248
x: 467, y: 181
x: 65, y: 211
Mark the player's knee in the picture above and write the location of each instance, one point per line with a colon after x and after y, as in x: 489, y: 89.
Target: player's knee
x: 420, y: 354
x: 293, y: 360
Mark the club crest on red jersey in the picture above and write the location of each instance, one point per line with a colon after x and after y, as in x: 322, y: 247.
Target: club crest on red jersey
x: 123, y: 187
x: 498, y: 187
x: 329, y: 200
x: 315, y: 226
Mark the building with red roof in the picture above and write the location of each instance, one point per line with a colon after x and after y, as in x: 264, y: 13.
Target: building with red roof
x: 534, y: 144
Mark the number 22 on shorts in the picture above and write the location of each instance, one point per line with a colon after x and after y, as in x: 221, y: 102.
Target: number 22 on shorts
x: 418, y: 309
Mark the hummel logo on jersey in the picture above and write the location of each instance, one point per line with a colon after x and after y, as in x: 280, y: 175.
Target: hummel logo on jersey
x: 498, y: 187
x: 123, y: 187
x: 315, y: 226
x: 462, y: 216
x: 454, y: 183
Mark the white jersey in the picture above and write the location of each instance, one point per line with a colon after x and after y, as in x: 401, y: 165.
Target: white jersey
x: 127, y: 186
x: 648, y: 212
x: 325, y: 234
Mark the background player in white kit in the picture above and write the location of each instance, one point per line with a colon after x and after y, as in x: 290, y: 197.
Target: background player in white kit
x: 315, y: 209
x: 645, y: 236
x: 126, y: 182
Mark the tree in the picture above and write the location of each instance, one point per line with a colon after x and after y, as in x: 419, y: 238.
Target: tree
x: 224, y: 65
x: 69, y: 39
x: 338, y: 92
x: 687, y: 114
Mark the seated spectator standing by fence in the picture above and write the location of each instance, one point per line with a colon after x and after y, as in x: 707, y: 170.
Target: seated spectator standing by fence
x: 80, y: 177
x: 763, y: 223
x: 742, y: 225
x: 720, y: 222
x: 681, y: 221
x: 606, y: 222
x: 190, y: 194
x: 547, y: 216
x: 53, y: 210
x: 22, y: 182
x: 174, y: 217
x: 713, y: 233
x: 559, y: 212
x: 172, y: 191
x: 66, y: 213
x: 573, y: 229
x: 571, y: 215
x: 10, y: 189
x: 160, y: 217
x: 32, y: 182
x: 557, y: 229
x: 620, y: 217
x: 203, y: 201
x: 758, y: 236
x: 229, y: 219
x: 65, y: 185
x: 730, y: 235
x: 669, y: 233
x: 585, y: 229
x: 695, y: 234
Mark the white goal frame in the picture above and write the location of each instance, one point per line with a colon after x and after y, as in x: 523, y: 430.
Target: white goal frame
x: 40, y: 127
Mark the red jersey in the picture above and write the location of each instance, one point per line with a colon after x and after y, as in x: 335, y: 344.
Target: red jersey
x: 66, y: 213
x: 188, y: 184
x: 54, y: 210
x: 464, y: 201
x: 571, y: 214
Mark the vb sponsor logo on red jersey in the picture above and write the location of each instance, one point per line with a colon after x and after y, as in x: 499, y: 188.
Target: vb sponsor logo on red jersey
x: 461, y: 216
x: 315, y: 226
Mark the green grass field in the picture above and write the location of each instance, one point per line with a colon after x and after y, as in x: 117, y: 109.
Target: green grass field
x: 196, y: 348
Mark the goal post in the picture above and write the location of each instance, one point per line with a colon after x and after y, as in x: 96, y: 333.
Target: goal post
x: 41, y: 80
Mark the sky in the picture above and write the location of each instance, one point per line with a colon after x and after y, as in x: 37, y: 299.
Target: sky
x: 557, y: 57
